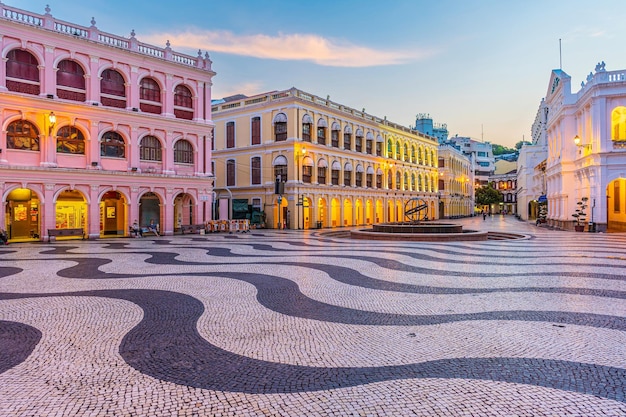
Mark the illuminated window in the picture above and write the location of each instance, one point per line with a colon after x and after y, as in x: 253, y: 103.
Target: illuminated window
x: 112, y: 145
x: 70, y: 140
x: 22, y: 135
x: 618, y: 124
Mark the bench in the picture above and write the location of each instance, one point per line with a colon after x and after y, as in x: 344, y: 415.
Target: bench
x: 65, y: 232
x: 191, y: 228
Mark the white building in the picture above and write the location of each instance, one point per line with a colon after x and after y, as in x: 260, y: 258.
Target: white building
x: 481, y: 154
x: 531, y: 167
x: 586, y: 155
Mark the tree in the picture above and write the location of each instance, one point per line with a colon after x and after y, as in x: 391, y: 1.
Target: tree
x: 487, y: 195
x: 501, y: 150
x: 521, y: 143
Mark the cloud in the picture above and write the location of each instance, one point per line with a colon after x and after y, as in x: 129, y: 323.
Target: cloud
x: 248, y: 88
x: 292, y: 47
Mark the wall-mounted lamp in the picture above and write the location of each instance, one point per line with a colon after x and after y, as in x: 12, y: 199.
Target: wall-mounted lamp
x: 577, y: 142
x: 52, y: 120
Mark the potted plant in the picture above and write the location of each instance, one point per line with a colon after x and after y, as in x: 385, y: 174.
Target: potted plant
x: 580, y: 217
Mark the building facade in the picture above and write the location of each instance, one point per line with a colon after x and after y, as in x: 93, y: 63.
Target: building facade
x: 307, y: 162
x: 481, y: 155
x: 504, y: 179
x: 586, y: 156
x: 531, y: 169
x: 99, y: 130
x: 456, y: 179
x: 424, y: 123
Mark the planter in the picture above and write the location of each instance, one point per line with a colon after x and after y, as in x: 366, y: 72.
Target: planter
x: 579, y: 228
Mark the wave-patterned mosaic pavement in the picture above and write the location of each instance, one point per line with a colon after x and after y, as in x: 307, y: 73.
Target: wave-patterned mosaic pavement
x: 297, y: 323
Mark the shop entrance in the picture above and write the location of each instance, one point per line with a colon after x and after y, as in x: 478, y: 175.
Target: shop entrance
x: 112, y: 214
x: 71, y: 210
x: 22, y: 215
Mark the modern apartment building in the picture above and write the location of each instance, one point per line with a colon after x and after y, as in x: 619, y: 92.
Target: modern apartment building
x: 306, y: 162
x: 99, y: 130
x: 481, y: 155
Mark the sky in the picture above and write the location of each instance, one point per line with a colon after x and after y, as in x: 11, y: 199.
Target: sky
x: 479, y: 66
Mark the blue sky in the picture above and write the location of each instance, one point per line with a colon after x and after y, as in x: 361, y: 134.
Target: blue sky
x: 481, y: 67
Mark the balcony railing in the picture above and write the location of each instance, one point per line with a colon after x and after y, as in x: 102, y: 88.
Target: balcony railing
x: 91, y: 33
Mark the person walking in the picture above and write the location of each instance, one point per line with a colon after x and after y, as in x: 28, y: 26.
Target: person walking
x: 4, y: 237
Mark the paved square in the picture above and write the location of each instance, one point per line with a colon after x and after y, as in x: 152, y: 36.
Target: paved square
x: 310, y: 323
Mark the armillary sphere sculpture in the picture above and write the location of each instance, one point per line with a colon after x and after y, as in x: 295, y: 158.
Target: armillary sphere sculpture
x: 416, y: 209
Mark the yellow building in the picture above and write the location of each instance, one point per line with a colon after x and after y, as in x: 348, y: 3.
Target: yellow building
x: 456, y: 179
x: 331, y: 165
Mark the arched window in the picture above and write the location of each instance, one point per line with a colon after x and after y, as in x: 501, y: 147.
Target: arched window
x: 150, y: 149
x: 419, y: 183
x: 389, y: 148
x: 413, y: 182
x: 150, y: 96
x: 307, y: 170
x: 347, y: 174
x: 407, y: 185
x: 280, y: 127
x: 183, y: 152
x: 322, y: 167
x: 321, y: 131
x: 71, y: 81
x: 183, y: 102
x: 255, y: 169
x: 22, y: 135
x: 334, y: 173
x: 398, y: 153
x: 70, y: 140
x: 307, y: 124
x: 379, y: 145
x: 347, y: 138
x: 369, y: 140
x: 618, y: 124
x: 358, y: 177
x: 358, y: 140
x: 334, y: 135
x: 369, y: 175
x: 230, y: 134
x: 280, y: 168
x: 389, y: 180
x: 112, y: 89
x: 112, y: 145
x: 407, y: 155
x: 230, y: 172
x: 379, y: 178
x: 398, y: 180
x: 22, y: 72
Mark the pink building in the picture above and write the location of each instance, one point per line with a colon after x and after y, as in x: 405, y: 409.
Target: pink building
x: 99, y: 130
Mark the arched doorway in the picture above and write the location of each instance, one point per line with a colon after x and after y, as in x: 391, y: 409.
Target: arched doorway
x: 281, y: 213
x: 335, y: 213
x: 369, y: 212
x: 22, y: 215
x: 183, y: 210
x: 71, y: 210
x: 321, y: 212
x: 112, y: 214
x: 358, y: 212
x: 616, y: 205
x: 347, y: 212
x: 307, y: 220
x: 380, y: 212
x: 150, y: 209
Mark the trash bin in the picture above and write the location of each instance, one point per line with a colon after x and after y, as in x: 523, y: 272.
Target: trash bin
x: 592, y: 227
x: 319, y: 225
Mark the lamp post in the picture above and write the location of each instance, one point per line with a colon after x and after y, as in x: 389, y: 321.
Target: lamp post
x: 299, y: 204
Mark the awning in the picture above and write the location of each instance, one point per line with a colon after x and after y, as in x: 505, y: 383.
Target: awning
x: 542, y: 199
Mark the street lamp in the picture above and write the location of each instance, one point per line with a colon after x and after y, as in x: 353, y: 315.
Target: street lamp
x: 577, y: 142
x: 52, y: 120
x: 300, y: 204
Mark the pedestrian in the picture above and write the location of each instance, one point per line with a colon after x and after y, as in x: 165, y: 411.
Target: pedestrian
x: 4, y: 237
x: 136, y: 229
x: 153, y: 227
x: 484, y: 215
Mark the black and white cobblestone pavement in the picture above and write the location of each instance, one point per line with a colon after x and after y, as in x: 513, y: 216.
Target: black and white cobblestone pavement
x: 306, y: 323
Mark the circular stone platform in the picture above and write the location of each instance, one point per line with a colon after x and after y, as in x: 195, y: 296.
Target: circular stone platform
x: 419, y: 232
